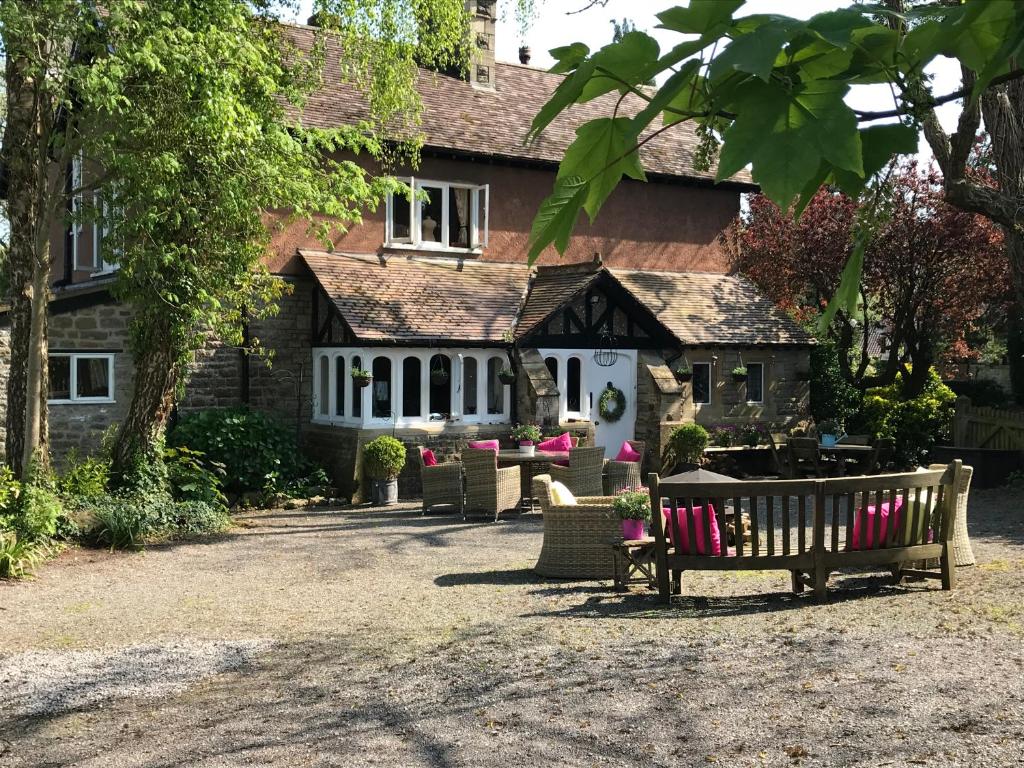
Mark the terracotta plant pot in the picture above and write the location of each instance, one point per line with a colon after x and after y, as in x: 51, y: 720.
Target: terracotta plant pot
x: 632, y: 529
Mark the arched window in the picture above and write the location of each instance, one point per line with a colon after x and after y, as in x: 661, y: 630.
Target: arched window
x: 573, y: 385
x: 469, y: 383
x: 339, y: 385
x: 381, y: 388
x: 357, y: 392
x: 412, y: 387
x: 552, y: 364
x: 324, y: 391
x: 495, y: 389
x: 440, y: 385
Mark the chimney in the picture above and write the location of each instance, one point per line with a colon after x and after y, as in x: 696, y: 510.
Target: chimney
x: 524, y: 54
x: 481, y: 28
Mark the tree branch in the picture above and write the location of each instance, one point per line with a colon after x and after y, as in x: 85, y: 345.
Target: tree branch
x: 935, y: 101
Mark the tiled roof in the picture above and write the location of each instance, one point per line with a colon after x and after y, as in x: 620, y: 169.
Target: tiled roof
x: 459, y: 117
x: 701, y: 308
x: 553, y: 287
x: 418, y: 299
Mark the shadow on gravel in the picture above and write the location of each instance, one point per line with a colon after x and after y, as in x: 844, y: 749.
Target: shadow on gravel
x: 497, y: 578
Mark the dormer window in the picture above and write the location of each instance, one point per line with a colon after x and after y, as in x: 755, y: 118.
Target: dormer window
x: 440, y: 216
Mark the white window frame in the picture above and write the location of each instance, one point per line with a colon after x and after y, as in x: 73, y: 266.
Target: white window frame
x: 73, y: 358
x: 711, y: 384
x: 478, y: 230
x: 100, y: 232
x: 77, y: 225
x: 397, y: 356
x: 562, y: 357
x: 760, y: 367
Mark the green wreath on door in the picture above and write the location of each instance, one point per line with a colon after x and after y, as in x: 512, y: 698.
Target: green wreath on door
x: 612, y: 404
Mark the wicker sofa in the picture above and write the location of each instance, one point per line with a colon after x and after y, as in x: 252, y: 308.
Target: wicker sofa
x: 576, y: 538
x: 442, y: 484
x: 489, y: 489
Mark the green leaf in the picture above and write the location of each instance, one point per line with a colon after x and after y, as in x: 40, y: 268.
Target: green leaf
x: 755, y: 52
x: 604, y: 151
x: 837, y: 26
x: 568, y: 57
x: 701, y: 17
x: 880, y: 143
x: 632, y: 60
x: 567, y: 92
x: 849, y: 286
x: 557, y: 216
x: 666, y: 94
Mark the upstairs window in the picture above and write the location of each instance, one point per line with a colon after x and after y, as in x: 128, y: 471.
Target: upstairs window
x: 441, y: 215
x: 77, y: 378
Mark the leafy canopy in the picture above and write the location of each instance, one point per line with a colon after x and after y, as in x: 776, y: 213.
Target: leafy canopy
x: 768, y: 91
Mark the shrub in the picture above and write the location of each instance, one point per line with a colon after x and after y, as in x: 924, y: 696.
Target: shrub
x: 194, y: 517
x: 633, y: 505
x: 752, y: 434
x: 687, y: 443
x: 253, y: 448
x: 120, y: 523
x: 37, y: 513
x: 832, y: 396
x: 18, y: 556
x: 83, y: 478
x: 383, y: 458
x: 723, y: 435
x: 915, y: 424
x: 191, y: 480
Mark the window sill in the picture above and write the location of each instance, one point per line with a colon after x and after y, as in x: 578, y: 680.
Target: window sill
x: 83, y: 401
x: 433, y: 249
x: 103, y: 272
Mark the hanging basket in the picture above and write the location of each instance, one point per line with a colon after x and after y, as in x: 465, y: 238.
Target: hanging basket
x: 439, y: 376
x: 362, y: 381
x: 506, y: 376
x: 683, y: 376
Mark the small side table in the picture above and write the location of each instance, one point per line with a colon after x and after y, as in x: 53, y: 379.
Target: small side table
x: 633, y: 563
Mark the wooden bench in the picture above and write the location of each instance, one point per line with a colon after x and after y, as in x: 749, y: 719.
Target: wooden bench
x: 807, y: 527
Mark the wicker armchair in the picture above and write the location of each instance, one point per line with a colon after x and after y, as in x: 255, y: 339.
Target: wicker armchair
x: 962, y: 552
x: 620, y: 475
x: 489, y: 489
x: 442, y: 483
x: 577, y: 538
x: 583, y: 476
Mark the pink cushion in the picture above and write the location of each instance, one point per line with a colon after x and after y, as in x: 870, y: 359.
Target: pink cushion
x: 868, y: 516
x: 628, y: 453
x: 484, y: 445
x: 429, y: 460
x: 699, y: 517
x: 561, y: 443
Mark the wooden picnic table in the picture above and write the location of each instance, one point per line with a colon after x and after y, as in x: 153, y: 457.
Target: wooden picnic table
x: 529, y: 467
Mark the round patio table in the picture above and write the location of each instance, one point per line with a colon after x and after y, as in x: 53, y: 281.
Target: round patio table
x: 529, y: 467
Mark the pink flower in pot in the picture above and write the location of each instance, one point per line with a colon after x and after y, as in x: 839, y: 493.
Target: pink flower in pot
x: 633, y: 507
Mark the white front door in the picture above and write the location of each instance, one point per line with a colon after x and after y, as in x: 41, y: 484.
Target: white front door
x: 581, y: 381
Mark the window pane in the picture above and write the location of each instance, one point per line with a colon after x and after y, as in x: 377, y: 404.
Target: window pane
x: 324, y: 394
x: 400, y: 217
x: 458, y: 217
x: 60, y: 378
x: 552, y: 364
x: 480, y: 203
x: 573, y: 385
x: 755, y: 382
x: 701, y: 383
x: 357, y: 392
x: 381, y: 388
x: 93, y: 377
x: 430, y: 215
x: 411, y: 387
x: 440, y: 386
x: 339, y: 385
x: 469, y: 379
x: 495, y: 389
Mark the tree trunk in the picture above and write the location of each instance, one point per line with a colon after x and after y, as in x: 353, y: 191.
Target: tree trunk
x: 156, y: 376
x: 26, y: 168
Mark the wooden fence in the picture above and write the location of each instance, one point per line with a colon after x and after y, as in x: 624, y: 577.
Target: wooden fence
x: 994, y: 428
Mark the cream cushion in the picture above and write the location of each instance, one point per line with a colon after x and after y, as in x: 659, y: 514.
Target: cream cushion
x: 562, y: 496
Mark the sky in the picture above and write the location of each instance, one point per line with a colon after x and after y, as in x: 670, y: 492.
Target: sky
x: 555, y: 24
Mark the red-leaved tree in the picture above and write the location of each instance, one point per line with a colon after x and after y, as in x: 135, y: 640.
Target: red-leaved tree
x: 932, y: 273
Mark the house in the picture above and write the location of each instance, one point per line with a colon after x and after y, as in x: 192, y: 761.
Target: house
x: 433, y: 297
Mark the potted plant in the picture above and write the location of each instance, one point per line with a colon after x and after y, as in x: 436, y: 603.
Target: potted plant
x: 506, y: 375
x: 739, y: 373
x: 724, y: 435
x: 683, y: 372
x: 438, y: 375
x: 750, y: 435
x: 686, y: 444
x: 526, y: 436
x: 633, y: 507
x: 383, y: 459
x: 361, y: 377
x: 829, y: 432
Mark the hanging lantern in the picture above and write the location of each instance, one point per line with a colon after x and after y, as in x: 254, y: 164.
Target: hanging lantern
x: 605, y: 355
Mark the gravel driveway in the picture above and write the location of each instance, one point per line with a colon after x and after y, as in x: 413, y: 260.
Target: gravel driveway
x: 370, y: 637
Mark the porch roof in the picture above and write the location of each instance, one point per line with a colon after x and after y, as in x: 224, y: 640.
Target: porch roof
x: 420, y: 299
